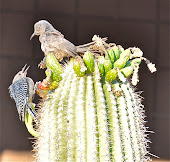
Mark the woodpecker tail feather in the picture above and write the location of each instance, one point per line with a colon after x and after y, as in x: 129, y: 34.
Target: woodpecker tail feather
x: 32, y: 112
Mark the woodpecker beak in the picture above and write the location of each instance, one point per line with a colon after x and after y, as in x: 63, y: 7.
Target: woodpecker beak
x: 25, y: 70
x: 33, y: 35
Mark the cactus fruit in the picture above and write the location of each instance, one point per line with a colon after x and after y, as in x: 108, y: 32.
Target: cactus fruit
x: 94, y: 115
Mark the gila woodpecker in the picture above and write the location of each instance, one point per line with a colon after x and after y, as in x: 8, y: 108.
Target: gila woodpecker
x: 22, y: 90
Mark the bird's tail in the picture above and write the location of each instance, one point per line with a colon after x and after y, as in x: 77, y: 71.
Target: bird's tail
x: 83, y: 48
x: 32, y: 112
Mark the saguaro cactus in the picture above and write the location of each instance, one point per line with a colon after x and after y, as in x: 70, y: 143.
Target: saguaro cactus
x: 94, y: 113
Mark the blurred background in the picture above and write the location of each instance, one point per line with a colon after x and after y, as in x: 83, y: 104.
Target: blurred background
x: 144, y: 24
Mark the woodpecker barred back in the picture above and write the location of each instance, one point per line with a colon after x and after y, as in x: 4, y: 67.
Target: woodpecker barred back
x: 22, y: 91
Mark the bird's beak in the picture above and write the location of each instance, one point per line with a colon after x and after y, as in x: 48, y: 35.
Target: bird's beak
x: 25, y: 70
x: 32, y: 35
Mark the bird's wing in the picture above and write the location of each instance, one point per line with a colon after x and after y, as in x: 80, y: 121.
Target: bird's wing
x: 19, y: 91
x: 60, y: 44
x: 55, y: 32
x: 11, y: 91
x: 68, y: 48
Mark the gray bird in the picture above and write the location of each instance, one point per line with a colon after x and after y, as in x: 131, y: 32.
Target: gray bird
x: 22, y: 91
x: 52, y: 41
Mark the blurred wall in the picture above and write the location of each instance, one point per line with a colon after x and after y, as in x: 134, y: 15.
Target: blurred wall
x: 143, y: 23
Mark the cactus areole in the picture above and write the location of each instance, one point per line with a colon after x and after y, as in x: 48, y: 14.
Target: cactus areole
x: 91, y: 112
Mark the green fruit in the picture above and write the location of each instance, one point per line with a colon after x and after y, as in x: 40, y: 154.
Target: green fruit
x: 54, y: 75
x: 127, y: 71
x: 101, y: 68
x: 111, y: 55
x: 116, y: 52
x: 107, y: 65
x: 124, y: 57
x: 133, y: 62
x: 53, y: 64
x: 111, y: 75
x: 121, y: 50
x: 101, y: 60
x: 89, y: 61
x: 77, y: 69
x: 121, y: 62
x: 125, y: 53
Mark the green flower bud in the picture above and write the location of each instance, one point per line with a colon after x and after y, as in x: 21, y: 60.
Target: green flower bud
x: 124, y: 57
x: 120, y: 63
x: 116, y: 53
x: 111, y: 55
x: 121, y: 49
x: 53, y: 64
x: 127, y: 71
x: 111, y: 75
x: 77, y: 69
x: 107, y: 65
x: 100, y: 65
x: 89, y: 61
x: 125, y: 53
x: 133, y: 62
x: 54, y: 75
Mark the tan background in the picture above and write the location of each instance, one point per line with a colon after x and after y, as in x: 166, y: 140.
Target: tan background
x: 142, y: 23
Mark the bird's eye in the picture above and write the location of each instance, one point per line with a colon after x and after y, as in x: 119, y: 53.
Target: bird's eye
x: 39, y: 27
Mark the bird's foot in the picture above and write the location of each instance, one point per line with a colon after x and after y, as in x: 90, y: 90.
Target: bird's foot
x: 42, y: 64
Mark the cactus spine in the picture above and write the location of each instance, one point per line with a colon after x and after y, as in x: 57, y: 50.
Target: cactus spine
x: 94, y: 117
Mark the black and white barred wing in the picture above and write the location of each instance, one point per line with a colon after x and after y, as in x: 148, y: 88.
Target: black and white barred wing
x: 19, y: 91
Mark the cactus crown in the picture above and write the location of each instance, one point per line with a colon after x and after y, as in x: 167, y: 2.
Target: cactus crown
x: 89, y: 110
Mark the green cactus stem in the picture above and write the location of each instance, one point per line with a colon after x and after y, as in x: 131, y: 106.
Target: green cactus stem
x: 94, y: 116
